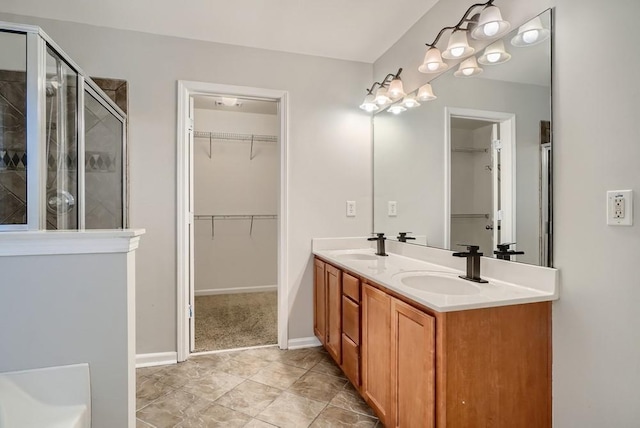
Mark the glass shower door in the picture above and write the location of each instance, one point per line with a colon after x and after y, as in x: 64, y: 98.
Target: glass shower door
x: 61, y: 89
x: 104, y: 191
x: 13, y: 131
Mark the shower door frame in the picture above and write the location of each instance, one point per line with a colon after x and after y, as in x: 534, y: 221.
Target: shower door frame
x: 186, y: 90
x: 36, y: 44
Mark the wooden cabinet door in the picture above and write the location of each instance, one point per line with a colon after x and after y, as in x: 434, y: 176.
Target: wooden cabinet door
x: 376, y: 351
x: 412, y: 367
x: 351, y: 359
x: 319, y: 301
x: 334, y: 313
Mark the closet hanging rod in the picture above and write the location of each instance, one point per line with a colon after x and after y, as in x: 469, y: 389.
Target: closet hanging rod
x: 469, y: 150
x: 470, y: 216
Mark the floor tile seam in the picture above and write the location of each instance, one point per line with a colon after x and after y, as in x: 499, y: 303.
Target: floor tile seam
x: 271, y: 386
x: 146, y: 423
x: 328, y: 374
x: 318, y: 415
x: 353, y: 411
x: 244, y: 413
x: 156, y: 399
x: 297, y: 394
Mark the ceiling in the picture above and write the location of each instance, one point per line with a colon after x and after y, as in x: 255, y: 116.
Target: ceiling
x: 344, y: 29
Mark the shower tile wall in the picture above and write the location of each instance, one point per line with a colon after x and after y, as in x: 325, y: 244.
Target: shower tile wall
x: 13, y: 155
x: 103, y: 178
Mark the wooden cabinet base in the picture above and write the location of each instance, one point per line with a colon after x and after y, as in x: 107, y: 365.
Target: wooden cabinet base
x: 420, y: 368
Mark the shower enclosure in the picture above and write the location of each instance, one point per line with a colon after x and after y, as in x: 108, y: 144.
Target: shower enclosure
x: 62, y: 140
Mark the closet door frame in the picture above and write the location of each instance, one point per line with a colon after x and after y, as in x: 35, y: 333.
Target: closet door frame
x: 187, y: 90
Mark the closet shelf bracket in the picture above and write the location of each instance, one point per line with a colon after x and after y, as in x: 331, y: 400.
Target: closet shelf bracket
x: 226, y: 136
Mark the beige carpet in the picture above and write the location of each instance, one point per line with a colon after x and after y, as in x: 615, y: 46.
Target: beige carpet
x: 229, y: 321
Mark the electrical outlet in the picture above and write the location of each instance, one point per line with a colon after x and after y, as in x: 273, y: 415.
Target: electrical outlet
x: 392, y: 209
x: 351, y: 208
x: 620, y: 207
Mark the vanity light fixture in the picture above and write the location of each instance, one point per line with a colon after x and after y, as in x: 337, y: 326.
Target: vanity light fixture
x: 531, y: 33
x: 458, y: 46
x: 369, y: 104
x: 488, y: 24
x: 388, y: 90
x: 410, y: 101
x: 425, y: 93
x: 395, y: 89
x: 382, y: 97
x: 397, y: 109
x: 494, y: 54
x: 468, y: 68
x: 433, y: 62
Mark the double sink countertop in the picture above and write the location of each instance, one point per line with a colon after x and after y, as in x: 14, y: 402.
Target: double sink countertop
x: 430, y: 276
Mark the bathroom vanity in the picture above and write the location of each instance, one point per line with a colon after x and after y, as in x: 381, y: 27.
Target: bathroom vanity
x: 427, y: 349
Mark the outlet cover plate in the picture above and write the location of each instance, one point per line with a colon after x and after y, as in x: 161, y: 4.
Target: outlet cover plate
x: 620, y: 207
x: 351, y: 208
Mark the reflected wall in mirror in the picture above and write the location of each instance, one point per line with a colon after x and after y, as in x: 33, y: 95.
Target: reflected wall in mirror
x: 473, y: 166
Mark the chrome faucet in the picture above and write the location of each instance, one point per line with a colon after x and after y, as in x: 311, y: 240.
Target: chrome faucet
x: 473, y: 263
x: 380, y: 238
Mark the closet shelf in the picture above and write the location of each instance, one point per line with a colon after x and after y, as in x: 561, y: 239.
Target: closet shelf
x: 227, y: 136
x: 252, y: 217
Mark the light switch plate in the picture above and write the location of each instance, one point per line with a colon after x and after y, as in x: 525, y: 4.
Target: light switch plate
x: 620, y: 207
x: 392, y: 208
x: 351, y: 208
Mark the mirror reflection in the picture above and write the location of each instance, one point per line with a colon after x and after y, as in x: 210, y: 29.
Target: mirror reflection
x: 472, y: 166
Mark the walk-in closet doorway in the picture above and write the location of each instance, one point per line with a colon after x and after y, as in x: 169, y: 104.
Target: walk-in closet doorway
x: 231, y: 217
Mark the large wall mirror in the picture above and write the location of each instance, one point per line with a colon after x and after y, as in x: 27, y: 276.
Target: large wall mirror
x: 474, y: 165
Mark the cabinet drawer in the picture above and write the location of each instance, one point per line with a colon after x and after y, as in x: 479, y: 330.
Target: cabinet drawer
x: 351, y: 360
x: 351, y: 319
x: 351, y: 287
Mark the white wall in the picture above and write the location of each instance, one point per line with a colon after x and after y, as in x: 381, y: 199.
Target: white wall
x: 229, y: 182
x: 70, y: 309
x: 595, y: 114
x: 329, y: 150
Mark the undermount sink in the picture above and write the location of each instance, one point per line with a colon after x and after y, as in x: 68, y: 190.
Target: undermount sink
x: 438, y: 283
x: 355, y: 256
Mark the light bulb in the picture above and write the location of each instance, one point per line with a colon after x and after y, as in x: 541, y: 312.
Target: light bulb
x: 456, y: 52
x: 396, y: 109
x: 382, y: 97
x: 433, y: 66
x: 493, y: 57
x: 530, y: 36
x: 491, y: 29
x: 467, y: 71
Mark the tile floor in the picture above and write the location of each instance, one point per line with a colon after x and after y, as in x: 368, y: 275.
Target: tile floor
x: 263, y: 387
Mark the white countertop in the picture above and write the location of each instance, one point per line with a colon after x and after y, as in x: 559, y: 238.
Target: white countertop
x: 510, y: 283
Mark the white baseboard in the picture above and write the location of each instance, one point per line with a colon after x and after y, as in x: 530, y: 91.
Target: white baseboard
x: 303, y: 342
x: 157, y: 359
x: 257, y: 289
